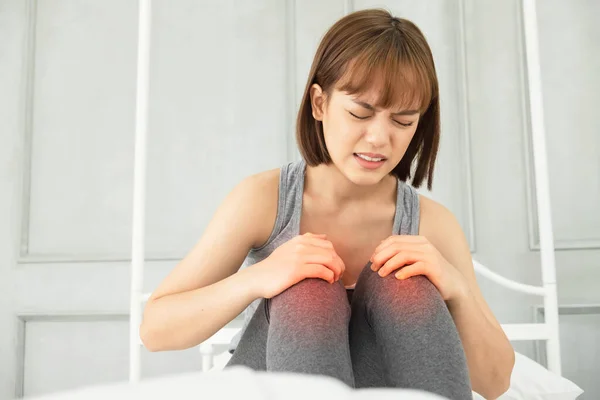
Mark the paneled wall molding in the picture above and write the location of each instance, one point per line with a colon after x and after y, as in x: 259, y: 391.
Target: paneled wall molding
x: 575, y: 244
x: 100, y: 258
x: 22, y: 320
x: 27, y: 126
x: 28, y: 90
x: 73, y: 316
x: 532, y: 216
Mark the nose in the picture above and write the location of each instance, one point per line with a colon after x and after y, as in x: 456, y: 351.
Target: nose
x: 377, y: 134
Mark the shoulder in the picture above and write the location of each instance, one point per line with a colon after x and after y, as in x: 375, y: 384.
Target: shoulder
x: 441, y: 227
x: 261, y: 194
x: 257, y: 195
x: 257, y: 183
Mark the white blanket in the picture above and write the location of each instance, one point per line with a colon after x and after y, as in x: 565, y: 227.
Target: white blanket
x: 237, y: 382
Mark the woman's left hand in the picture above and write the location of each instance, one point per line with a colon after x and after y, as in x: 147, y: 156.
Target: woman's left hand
x: 414, y: 255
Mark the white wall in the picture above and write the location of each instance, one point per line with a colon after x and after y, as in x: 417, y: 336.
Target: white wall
x: 226, y: 77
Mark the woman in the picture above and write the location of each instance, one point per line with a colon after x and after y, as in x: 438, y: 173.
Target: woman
x: 349, y: 271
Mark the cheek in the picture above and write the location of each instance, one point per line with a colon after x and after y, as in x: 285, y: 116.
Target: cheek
x: 401, y: 142
x: 407, y: 138
x: 339, y: 132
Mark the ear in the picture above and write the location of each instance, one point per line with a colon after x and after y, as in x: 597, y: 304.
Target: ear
x: 317, y: 101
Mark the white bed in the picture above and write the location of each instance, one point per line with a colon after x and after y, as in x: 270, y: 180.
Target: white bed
x: 529, y: 380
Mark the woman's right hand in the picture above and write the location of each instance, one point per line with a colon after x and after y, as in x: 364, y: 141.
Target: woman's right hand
x: 305, y: 256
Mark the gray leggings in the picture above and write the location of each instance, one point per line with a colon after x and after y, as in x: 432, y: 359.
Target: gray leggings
x: 388, y: 333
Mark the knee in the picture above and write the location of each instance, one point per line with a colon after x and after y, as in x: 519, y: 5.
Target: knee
x: 313, y: 296
x: 415, y: 299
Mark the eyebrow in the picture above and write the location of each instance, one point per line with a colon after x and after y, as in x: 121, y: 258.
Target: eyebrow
x: 370, y: 107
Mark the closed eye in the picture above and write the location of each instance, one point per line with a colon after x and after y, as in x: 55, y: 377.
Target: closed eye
x: 356, y: 116
x: 404, y: 125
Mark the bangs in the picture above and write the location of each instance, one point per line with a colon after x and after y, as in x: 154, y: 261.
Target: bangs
x: 399, y: 76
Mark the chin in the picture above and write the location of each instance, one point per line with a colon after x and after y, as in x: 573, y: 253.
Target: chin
x: 362, y: 177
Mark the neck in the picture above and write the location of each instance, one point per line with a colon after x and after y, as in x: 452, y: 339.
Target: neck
x: 327, y: 183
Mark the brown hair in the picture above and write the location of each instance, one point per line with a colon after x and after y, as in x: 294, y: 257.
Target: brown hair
x: 373, y: 43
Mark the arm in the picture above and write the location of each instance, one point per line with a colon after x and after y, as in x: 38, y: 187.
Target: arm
x: 490, y: 355
x: 205, y: 291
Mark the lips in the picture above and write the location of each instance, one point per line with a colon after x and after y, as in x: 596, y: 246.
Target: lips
x: 372, y: 155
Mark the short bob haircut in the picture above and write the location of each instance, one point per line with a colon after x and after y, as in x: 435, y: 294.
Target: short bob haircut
x: 372, y: 48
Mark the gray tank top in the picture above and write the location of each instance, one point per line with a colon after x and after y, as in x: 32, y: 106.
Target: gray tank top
x: 287, y: 223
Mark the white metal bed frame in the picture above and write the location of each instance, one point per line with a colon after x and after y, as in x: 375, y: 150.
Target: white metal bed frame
x: 548, y: 331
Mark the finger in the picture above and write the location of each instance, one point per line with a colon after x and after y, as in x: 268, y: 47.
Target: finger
x: 327, y: 258
x: 385, y: 254
x: 382, y: 256
x: 418, y: 268
x: 384, y: 243
x: 318, y: 271
x: 339, y: 261
x: 337, y: 264
x: 400, y: 239
x: 341, y: 265
x: 326, y: 244
x: 400, y: 260
x: 391, y: 249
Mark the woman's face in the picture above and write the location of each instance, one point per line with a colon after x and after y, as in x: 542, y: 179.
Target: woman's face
x: 365, y: 143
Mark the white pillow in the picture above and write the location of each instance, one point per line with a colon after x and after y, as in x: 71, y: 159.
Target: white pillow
x: 531, y: 381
